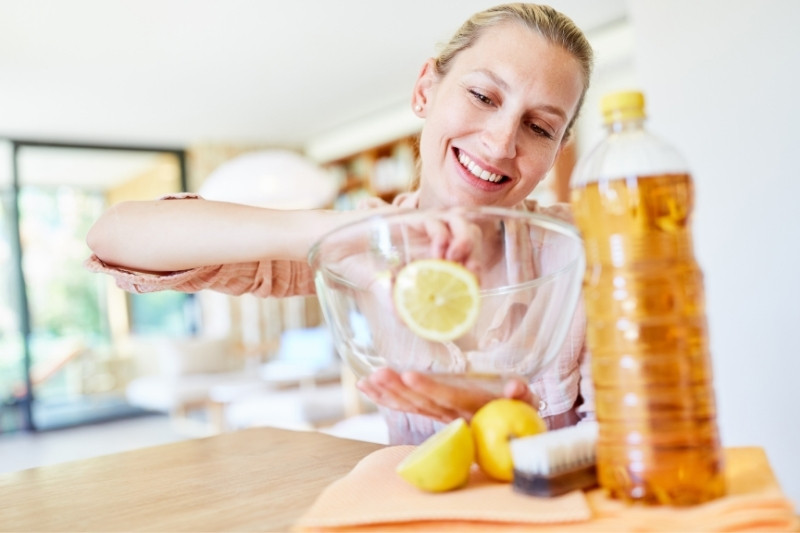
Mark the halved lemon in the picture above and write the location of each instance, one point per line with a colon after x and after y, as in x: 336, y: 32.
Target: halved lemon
x: 443, y: 461
x: 437, y: 299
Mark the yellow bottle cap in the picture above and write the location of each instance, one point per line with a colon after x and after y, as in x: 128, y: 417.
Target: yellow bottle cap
x: 622, y: 105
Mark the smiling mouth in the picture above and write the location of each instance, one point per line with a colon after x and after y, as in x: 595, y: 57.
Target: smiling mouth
x: 477, y: 171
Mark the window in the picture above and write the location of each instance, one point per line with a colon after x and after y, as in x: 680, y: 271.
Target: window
x: 60, y: 325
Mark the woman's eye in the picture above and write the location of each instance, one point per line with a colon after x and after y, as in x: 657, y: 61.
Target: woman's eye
x: 538, y: 130
x: 481, y: 97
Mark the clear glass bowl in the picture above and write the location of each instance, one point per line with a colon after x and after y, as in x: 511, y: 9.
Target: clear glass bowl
x: 530, y: 268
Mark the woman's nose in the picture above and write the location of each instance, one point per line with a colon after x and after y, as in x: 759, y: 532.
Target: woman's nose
x: 500, y: 137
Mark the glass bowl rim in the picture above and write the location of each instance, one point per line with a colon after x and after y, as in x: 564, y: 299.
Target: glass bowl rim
x: 548, y: 222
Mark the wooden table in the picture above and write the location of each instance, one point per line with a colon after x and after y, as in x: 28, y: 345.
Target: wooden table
x: 259, y: 479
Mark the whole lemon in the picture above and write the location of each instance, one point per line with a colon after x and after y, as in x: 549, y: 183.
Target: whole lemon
x: 443, y: 461
x: 493, y: 427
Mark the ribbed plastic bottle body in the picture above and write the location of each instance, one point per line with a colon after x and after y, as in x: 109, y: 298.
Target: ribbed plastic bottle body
x: 633, y: 198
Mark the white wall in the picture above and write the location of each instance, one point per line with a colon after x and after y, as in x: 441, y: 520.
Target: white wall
x: 722, y: 83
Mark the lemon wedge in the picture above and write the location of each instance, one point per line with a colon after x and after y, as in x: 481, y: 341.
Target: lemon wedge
x: 443, y: 461
x: 437, y: 299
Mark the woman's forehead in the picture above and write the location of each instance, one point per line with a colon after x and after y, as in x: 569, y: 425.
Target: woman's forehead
x: 515, y: 56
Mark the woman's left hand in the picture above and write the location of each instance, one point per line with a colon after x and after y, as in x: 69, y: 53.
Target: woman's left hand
x: 423, y: 394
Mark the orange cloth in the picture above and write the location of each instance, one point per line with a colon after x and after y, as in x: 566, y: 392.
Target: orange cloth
x: 372, y: 497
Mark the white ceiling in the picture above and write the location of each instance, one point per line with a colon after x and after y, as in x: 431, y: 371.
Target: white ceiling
x: 176, y: 72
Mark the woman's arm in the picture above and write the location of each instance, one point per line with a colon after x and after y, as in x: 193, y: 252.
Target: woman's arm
x: 172, y: 235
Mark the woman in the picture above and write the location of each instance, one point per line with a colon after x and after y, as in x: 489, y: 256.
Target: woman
x: 499, y: 104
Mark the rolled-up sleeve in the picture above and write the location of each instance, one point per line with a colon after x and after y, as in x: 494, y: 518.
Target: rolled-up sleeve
x: 276, y: 278
x: 262, y: 278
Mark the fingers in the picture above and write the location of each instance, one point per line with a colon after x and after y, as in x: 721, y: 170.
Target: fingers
x: 465, y: 240
x: 422, y: 394
x: 452, y: 237
x: 378, y: 385
x: 386, y: 387
x: 439, y: 235
x: 450, y: 400
x: 429, y: 399
x: 517, y: 389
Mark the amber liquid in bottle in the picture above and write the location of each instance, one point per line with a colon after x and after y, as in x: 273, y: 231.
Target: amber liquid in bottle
x: 643, y: 289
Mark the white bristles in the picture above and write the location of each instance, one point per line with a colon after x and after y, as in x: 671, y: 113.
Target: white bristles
x: 553, y: 452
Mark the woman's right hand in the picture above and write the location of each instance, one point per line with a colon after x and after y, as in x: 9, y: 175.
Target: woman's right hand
x: 451, y: 236
x: 422, y: 394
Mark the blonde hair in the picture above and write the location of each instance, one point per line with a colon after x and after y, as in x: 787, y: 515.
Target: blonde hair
x: 555, y: 27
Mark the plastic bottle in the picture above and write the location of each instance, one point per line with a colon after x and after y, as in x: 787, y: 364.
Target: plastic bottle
x: 633, y: 198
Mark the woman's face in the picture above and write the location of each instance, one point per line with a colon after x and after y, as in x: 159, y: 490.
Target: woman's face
x: 494, y: 123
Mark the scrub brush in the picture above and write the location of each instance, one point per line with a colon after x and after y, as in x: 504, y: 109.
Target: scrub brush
x: 555, y: 462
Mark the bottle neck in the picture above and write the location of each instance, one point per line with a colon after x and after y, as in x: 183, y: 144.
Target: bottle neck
x: 629, y: 124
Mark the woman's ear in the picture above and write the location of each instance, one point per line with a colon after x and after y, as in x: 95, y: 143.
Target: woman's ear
x: 422, y: 88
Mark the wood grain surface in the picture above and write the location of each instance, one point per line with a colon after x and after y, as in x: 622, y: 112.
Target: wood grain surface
x: 259, y: 479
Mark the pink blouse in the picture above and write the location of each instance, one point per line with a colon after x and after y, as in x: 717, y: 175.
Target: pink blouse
x: 565, y: 388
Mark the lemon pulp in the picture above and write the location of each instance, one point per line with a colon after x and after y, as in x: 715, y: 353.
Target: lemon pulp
x: 437, y: 299
x: 443, y: 461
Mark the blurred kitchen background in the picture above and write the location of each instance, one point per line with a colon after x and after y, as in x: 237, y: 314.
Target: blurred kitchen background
x: 293, y: 104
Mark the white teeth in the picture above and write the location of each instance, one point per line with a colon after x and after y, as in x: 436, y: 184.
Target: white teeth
x: 477, y: 171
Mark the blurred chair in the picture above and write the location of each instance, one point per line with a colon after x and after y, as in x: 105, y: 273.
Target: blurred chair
x: 302, y: 386
x: 205, y: 385
x: 175, y: 375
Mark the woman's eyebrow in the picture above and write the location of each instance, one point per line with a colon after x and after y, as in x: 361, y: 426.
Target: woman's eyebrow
x: 500, y: 82
x: 494, y: 77
x: 554, y: 110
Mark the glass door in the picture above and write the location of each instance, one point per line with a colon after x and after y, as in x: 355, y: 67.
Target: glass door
x: 62, y: 355
x: 13, y: 390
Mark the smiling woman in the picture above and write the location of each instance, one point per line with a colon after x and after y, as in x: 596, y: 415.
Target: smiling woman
x: 498, y: 106
x: 507, y: 119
